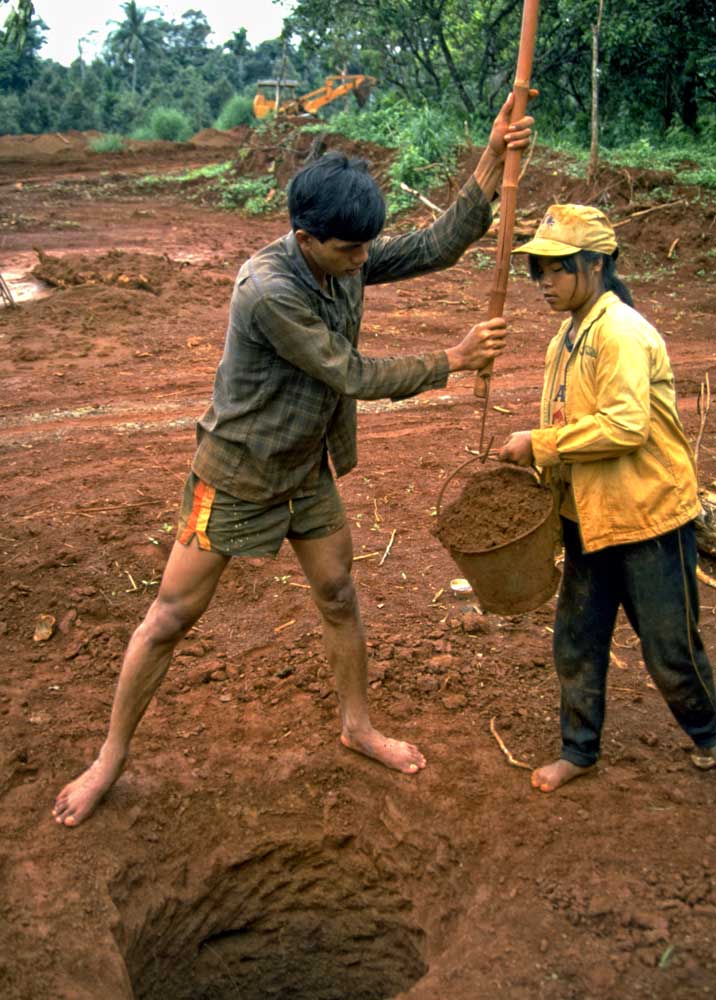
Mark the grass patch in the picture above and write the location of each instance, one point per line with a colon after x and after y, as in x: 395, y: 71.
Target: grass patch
x: 679, y: 154
x: 254, y: 195
x: 109, y: 143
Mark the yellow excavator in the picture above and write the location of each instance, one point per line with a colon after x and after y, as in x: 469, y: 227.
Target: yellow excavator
x: 279, y: 96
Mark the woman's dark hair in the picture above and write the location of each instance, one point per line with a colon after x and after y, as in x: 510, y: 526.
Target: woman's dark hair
x: 335, y: 197
x: 574, y: 262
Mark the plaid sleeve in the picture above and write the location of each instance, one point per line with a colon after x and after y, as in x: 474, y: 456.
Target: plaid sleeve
x: 300, y: 337
x: 435, y: 247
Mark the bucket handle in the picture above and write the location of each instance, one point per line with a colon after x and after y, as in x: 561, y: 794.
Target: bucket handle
x: 451, y: 477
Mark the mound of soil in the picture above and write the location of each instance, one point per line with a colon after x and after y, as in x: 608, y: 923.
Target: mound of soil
x: 495, y: 507
x: 115, y: 268
x: 220, y: 138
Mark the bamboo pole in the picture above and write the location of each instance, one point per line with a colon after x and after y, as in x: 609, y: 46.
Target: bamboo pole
x: 508, y: 195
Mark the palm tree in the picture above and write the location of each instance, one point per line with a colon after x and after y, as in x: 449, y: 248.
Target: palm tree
x: 133, y: 38
x: 238, y: 46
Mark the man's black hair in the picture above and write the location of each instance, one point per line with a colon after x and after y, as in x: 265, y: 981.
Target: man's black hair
x: 335, y: 197
x: 574, y: 262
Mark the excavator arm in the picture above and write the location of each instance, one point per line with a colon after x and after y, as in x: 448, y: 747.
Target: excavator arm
x: 333, y: 88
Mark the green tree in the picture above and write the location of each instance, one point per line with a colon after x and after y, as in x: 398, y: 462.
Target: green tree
x: 77, y: 111
x: 19, y: 63
x: 187, y: 39
x: 218, y: 95
x: 17, y: 24
x: 134, y: 39
x: 239, y: 47
x: 10, y: 114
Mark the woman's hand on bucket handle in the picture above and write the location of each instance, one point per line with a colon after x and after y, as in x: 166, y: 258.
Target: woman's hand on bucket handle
x: 517, y: 449
x: 483, y: 343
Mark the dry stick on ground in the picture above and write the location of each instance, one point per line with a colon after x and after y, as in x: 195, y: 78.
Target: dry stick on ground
x: 646, y: 211
x: 705, y: 578
x: 528, y: 157
x: 388, y: 548
x: 5, y: 292
x: 506, y: 752
x: 431, y: 205
x: 703, y: 405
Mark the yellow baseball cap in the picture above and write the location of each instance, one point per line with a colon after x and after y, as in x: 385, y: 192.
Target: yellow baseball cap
x: 568, y: 229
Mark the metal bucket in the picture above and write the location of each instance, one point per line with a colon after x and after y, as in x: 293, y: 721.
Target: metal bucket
x: 520, y: 574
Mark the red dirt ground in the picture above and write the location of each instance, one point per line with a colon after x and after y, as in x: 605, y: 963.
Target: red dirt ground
x: 244, y: 853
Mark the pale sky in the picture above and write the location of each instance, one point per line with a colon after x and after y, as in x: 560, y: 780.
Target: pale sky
x: 70, y: 20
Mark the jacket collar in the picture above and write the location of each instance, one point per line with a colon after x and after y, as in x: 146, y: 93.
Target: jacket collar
x: 301, y: 268
x: 604, y: 301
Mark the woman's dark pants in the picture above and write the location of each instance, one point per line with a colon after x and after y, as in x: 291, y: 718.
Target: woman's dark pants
x: 655, y: 582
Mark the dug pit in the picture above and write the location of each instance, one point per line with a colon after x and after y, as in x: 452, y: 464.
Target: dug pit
x: 313, y: 920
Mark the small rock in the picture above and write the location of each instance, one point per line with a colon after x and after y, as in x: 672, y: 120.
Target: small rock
x: 191, y: 650
x: 285, y: 671
x: 454, y: 702
x: 676, y: 795
x: 218, y: 675
x: 427, y: 684
x: 67, y: 621
x: 44, y: 628
x: 75, y: 649
x: 377, y: 671
x: 474, y: 624
x: 440, y: 664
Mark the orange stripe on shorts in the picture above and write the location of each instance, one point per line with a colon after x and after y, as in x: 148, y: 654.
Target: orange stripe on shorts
x: 199, y: 518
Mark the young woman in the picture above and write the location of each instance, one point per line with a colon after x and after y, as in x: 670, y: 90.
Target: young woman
x: 612, y: 444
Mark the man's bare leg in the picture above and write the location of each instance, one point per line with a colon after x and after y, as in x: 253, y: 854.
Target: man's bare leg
x: 327, y: 565
x: 187, y: 586
x: 552, y: 776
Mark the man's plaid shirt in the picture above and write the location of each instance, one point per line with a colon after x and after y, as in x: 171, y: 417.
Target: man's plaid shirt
x: 287, y: 384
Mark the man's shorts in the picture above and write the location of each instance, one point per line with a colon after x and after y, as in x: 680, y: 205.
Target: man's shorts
x: 232, y: 527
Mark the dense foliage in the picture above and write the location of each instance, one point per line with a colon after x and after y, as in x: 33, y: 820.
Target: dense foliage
x: 442, y: 60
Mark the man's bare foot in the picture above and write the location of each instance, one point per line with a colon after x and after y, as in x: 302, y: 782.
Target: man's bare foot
x: 393, y: 753
x: 553, y: 776
x: 78, y: 800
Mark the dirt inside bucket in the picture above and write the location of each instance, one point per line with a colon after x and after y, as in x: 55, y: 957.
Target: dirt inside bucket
x: 496, y: 506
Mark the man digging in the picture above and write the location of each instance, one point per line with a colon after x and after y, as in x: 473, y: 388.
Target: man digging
x: 284, y: 403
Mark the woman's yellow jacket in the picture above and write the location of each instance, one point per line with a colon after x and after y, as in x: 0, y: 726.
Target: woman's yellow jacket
x: 632, y: 470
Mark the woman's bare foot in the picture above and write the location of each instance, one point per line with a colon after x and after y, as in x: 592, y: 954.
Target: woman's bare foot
x: 553, y: 776
x: 393, y: 753
x: 704, y: 758
x: 78, y: 800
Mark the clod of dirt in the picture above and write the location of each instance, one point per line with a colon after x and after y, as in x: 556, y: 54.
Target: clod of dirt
x: 495, y: 507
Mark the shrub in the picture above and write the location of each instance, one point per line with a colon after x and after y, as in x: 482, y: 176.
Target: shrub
x: 425, y: 139
x: 254, y: 195
x: 169, y: 124
x: 238, y: 110
x: 109, y: 143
